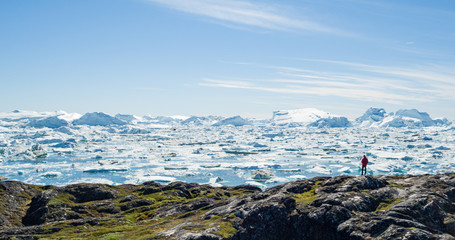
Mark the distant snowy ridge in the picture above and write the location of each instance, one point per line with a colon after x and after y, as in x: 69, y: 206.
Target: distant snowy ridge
x: 310, y: 117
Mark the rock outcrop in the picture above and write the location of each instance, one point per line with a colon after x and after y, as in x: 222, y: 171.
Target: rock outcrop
x: 343, y: 207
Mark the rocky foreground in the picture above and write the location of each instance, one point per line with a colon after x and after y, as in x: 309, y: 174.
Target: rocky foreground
x: 343, y: 207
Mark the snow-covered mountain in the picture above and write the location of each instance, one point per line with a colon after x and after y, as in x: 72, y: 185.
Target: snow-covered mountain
x: 98, y: 119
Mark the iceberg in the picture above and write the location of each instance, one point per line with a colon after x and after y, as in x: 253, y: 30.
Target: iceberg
x: 165, y: 119
x: 289, y: 170
x: 403, y: 118
x: 128, y: 118
x: 411, y: 118
x: 163, y: 179
x: 304, y: 116
x: 195, y: 151
x: 65, y: 130
x: 175, y: 168
x: 98, y: 119
x: 298, y: 177
x: 49, y: 122
x: 235, y: 121
x: 320, y: 170
x: 414, y: 116
x: 262, y: 175
x: 105, y: 169
x: 331, y: 122
x: 210, y: 165
x: 51, y: 174
x: 38, y: 151
x: 371, y: 116
x: 199, y: 121
x: 134, y: 130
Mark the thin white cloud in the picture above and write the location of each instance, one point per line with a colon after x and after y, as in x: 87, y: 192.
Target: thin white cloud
x: 429, y: 79
x: 359, y: 81
x: 227, y: 84
x: 429, y: 73
x: 362, y: 82
x: 352, y: 93
x: 246, y: 13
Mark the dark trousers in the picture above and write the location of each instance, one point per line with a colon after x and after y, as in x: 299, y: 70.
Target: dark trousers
x: 364, y: 167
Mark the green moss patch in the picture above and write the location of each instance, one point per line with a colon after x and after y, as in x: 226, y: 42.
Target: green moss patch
x: 395, y: 185
x: 309, y: 196
x: 140, y: 222
x: 387, y: 203
x: 227, y: 229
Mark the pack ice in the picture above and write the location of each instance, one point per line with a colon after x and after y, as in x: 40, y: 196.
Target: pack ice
x: 60, y: 148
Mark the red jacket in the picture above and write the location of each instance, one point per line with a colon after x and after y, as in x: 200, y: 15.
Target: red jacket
x: 364, y: 160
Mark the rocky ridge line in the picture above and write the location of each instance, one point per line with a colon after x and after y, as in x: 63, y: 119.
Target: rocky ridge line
x: 343, y: 207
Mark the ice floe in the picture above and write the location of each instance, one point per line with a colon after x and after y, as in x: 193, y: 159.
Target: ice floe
x: 295, y: 144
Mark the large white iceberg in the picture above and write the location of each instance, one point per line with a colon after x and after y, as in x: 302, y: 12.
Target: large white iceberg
x: 235, y: 121
x: 304, y: 116
x: 331, y: 122
x: 49, y: 122
x: 412, y: 118
x: 372, y: 115
x: 98, y: 119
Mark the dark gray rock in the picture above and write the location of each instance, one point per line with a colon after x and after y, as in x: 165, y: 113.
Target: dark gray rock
x: 135, y: 204
x: 344, y: 207
x: 90, y: 192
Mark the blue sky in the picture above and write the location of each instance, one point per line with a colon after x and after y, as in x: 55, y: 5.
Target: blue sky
x: 227, y: 57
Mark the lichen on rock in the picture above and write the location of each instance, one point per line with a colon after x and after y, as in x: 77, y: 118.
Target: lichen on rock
x: 343, y: 207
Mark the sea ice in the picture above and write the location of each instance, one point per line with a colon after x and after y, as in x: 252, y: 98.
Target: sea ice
x: 191, y: 149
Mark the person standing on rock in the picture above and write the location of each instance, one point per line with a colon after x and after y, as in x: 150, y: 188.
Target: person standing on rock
x: 364, y: 164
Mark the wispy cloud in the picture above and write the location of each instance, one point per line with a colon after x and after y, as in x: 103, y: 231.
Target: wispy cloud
x: 418, y: 75
x: 321, y: 90
x: 246, y: 13
x: 381, y: 84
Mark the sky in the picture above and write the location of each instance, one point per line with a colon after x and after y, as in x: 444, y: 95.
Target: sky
x: 227, y: 57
